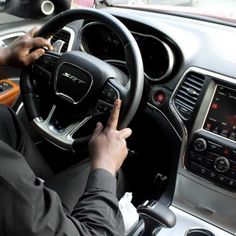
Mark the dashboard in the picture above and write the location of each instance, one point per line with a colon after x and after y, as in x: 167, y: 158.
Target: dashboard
x: 190, y: 90
x: 190, y: 96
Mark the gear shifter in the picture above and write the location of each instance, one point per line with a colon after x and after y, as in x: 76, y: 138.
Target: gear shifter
x: 155, y: 216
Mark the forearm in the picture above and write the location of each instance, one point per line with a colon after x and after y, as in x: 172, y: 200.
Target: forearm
x: 37, y: 210
x: 98, y: 210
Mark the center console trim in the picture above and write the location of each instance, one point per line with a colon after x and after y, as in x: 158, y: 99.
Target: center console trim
x: 188, y: 222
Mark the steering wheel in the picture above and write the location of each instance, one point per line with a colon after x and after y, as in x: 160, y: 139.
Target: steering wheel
x: 63, y: 91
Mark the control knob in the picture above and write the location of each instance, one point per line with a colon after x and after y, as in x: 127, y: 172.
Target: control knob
x: 200, y: 144
x: 222, y: 164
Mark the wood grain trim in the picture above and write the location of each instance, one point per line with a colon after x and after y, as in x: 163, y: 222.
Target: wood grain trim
x: 9, y: 96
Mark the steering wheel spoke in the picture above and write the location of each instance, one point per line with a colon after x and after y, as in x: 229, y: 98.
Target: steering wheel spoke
x: 44, y: 66
x: 55, y: 132
x: 48, y: 60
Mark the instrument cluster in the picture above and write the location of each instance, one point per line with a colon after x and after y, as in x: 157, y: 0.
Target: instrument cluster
x: 158, y: 59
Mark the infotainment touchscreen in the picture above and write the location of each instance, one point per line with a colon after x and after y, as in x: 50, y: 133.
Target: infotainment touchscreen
x: 221, y: 117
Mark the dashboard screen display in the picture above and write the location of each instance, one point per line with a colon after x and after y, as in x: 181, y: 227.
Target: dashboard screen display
x: 221, y: 117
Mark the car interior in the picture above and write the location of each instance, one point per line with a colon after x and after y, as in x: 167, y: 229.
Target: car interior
x: 176, y: 76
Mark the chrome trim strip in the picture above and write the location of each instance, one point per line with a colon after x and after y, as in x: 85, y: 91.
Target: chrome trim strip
x: 116, y: 61
x: 72, y: 37
x: 82, y: 31
x: 19, y: 108
x: 47, y: 7
x: 11, y: 35
x: 180, y: 121
x: 169, y: 53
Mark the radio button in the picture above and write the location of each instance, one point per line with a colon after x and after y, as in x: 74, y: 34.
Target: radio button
x: 199, y: 169
x: 214, y: 147
x: 197, y: 158
x: 221, y: 179
x: 222, y: 164
x: 209, y: 163
x: 212, y: 175
x: 232, y: 174
x: 212, y: 155
x: 231, y: 183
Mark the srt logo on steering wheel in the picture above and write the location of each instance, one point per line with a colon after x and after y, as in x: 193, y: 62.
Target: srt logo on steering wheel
x: 73, y: 78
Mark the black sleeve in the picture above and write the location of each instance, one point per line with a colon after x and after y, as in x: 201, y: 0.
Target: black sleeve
x: 27, y: 207
x: 97, y: 210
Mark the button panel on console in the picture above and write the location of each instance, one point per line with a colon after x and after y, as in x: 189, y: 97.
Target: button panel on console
x: 213, y: 161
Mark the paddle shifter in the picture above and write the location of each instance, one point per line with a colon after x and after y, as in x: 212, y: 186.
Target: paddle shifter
x: 155, y: 217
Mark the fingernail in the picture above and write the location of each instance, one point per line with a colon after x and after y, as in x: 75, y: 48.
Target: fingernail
x: 117, y: 101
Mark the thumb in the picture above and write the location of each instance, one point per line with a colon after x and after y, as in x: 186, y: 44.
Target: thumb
x: 33, y: 56
x: 98, y: 129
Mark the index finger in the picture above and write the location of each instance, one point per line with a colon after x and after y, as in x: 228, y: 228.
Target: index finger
x: 114, y: 116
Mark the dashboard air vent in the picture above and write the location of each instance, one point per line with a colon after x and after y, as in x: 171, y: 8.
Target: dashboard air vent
x: 188, y: 93
x: 62, y: 35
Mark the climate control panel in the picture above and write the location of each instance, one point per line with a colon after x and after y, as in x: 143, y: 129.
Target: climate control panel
x: 212, y: 160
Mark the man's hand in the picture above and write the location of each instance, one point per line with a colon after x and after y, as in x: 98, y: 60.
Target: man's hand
x: 18, y: 53
x: 107, y: 146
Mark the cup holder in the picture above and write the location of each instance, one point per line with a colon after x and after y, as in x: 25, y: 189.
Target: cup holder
x: 199, y: 232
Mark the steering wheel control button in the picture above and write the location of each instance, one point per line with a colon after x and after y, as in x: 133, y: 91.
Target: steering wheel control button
x: 47, y: 62
x: 222, y: 164
x: 72, y: 83
x: 103, y: 107
x: 200, y: 144
x: 42, y: 74
x: 109, y: 94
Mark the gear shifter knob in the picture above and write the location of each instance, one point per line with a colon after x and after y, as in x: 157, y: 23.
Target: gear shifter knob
x: 155, y: 216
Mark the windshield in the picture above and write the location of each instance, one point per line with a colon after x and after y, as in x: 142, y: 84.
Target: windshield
x: 223, y: 10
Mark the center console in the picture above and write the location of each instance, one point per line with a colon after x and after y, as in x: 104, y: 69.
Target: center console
x: 211, y: 152
x: 205, y: 185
